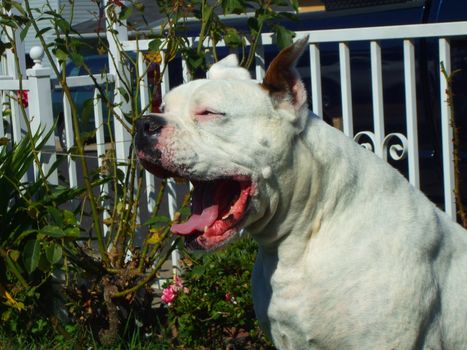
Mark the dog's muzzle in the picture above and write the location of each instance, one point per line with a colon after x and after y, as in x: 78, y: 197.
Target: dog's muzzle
x: 148, y: 129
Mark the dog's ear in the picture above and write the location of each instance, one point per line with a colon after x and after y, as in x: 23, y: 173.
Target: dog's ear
x: 228, y: 68
x: 282, y: 79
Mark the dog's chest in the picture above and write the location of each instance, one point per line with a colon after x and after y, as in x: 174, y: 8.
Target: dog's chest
x: 300, y: 308
x: 289, y: 320
x: 283, y: 307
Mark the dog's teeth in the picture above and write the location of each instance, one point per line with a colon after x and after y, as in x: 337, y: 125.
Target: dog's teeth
x: 205, y: 229
x: 229, y: 213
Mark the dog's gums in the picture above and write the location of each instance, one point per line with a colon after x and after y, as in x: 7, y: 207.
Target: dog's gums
x: 217, y: 208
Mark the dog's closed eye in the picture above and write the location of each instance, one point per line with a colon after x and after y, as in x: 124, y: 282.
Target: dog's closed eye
x: 207, y: 114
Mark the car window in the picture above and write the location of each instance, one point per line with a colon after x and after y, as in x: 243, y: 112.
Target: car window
x: 307, y: 6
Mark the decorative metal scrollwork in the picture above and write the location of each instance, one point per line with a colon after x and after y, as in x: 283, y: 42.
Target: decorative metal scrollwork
x: 369, y: 146
x: 397, y: 151
x: 395, y: 145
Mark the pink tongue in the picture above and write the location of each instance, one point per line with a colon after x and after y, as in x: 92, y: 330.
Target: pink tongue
x: 197, y: 222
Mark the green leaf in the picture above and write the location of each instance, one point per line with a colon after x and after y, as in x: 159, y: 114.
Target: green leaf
x: 87, y: 111
x: 31, y: 255
x: 53, y: 253
x: 72, y: 232
x: 69, y: 218
x: 43, y: 31
x: 284, y: 37
x: 193, y: 60
x: 233, y: 38
x: 17, y: 5
x: 24, y: 31
x: 124, y: 93
x: 88, y: 135
x: 14, y: 255
x: 52, y: 231
x: 56, y: 215
x: 24, y: 234
x: 234, y: 6
x: 198, y: 270
x: 185, y: 212
x: 264, y: 15
x: 64, y: 26
x: 295, y: 5
x: 155, y: 45
x: 61, y: 55
x: 125, y: 12
x: 77, y: 59
x: 159, y: 219
x: 44, y: 264
x: 120, y: 175
x: 207, y: 13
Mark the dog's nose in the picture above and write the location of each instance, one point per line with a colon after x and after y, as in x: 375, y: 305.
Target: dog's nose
x: 149, y: 125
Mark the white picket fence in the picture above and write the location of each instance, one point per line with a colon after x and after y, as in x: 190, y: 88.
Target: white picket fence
x: 380, y: 141
x: 37, y: 81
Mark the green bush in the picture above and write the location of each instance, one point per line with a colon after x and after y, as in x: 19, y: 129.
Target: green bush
x: 214, y: 306
x: 34, y: 233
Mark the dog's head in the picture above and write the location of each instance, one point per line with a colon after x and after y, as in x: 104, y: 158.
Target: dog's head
x: 232, y: 138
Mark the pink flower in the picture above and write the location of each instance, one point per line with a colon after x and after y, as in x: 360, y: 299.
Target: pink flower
x: 228, y: 297
x: 169, y: 294
x: 23, y: 98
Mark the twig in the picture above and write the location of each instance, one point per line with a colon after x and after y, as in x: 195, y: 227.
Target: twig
x: 456, y: 145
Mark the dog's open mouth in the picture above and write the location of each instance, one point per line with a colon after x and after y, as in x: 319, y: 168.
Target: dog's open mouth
x: 217, y: 208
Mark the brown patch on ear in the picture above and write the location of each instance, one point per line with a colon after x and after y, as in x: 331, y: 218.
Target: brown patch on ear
x: 281, y: 78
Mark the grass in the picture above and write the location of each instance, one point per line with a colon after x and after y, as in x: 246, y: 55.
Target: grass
x: 81, y: 339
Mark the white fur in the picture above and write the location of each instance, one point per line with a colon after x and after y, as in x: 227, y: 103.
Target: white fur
x: 350, y: 255
x: 227, y: 68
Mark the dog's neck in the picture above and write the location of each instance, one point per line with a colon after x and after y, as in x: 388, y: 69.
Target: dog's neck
x: 289, y: 227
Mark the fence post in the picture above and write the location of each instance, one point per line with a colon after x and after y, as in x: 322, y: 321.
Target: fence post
x: 40, y: 110
x: 116, y: 34
x: 16, y: 70
x: 316, y: 93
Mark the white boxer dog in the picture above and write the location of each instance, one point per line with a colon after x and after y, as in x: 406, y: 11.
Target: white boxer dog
x: 350, y: 255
